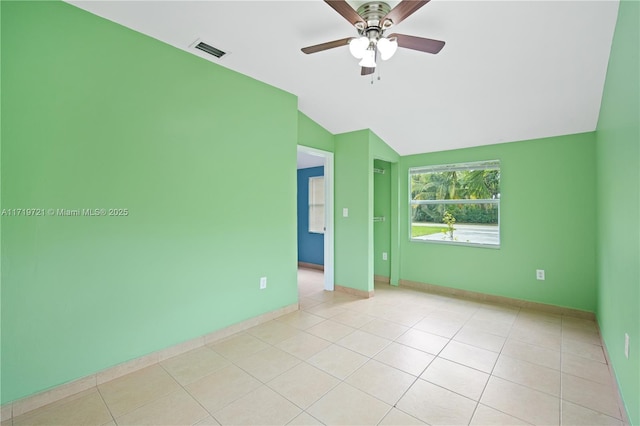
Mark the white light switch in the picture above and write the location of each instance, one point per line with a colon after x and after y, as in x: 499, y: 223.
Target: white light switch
x: 345, y: 212
x: 540, y: 274
x: 384, y: 255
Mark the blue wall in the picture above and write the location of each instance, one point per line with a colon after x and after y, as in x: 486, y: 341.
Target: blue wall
x: 310, y: 246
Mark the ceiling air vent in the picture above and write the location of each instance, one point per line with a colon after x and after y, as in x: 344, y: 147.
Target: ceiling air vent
x: 210, y: 49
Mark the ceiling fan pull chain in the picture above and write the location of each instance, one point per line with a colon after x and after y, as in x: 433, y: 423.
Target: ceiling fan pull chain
x: 378, y: 69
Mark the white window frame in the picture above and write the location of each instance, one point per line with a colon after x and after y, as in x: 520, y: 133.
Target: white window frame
x: 477, y: 165
x: 317, y: 221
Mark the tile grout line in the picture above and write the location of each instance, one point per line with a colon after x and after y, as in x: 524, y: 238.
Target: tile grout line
x: 106, y: 405
x: 200, y: 404
x: 154, y: 400
x: 492, y: 375
x: 344, y: 381
x: 183, y: 387
x: 452, y: 338
x: 423, y: 370
x: 233, y: 363
x: 562, y: 321
x: 612, y: 384
x: 561, y: 370
x: 624, y: 416
x: 302, y: 361
x: 492, y: 368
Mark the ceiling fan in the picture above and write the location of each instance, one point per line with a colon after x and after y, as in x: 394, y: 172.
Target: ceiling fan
x: 371, y: 20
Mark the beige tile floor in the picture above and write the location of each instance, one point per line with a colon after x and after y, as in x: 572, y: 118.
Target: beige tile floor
x: 401, y: 358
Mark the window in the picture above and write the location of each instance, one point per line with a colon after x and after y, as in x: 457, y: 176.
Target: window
x: 316, y: 204
x: 456, y: 203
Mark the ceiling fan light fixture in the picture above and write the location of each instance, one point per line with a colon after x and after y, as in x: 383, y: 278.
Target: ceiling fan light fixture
x: 371, y: 20
x: 358, y: 46
x: 387, y: 47
x: 369, y: 59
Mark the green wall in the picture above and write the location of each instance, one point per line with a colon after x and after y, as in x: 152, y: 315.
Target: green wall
x: 547, y: 216
x: 355, y: 153
x: 385, y: 197
x: 379, y: 149
x: 313, y: 135
x: 353, y: 190
x: 97, y: 116
x: 618, y: 168
x: 103, y: 117
x: 382, y: 208
x: 354, y: 156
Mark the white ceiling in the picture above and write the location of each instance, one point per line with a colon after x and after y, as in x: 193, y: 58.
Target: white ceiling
x: 306, y: 160
x: 511, y: 70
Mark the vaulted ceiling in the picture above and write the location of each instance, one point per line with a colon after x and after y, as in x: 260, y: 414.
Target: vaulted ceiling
x: 510, y: 70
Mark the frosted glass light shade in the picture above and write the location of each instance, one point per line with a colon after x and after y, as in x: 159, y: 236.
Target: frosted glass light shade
x: 387, y: 47
x: 369, y: 59
x: 358, y: 46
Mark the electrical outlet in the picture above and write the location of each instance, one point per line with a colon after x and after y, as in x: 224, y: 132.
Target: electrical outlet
x: 345, y: 212
x: 384, y: 255
x: 540, y: 274
x: 626, y: 345
x: 263, y: 283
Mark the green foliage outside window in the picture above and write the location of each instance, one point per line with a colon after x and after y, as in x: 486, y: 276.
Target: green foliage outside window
x: 482, y: 185
x: 461, y: 200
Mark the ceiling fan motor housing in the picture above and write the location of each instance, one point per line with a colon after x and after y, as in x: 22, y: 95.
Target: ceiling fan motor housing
x: 372, y: 14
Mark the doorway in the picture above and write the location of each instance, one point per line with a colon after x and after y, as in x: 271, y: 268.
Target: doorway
x: 314, y: 164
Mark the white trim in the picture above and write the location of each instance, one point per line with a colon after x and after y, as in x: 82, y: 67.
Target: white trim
x: 469, y: 165
x: 316, y: 225
x: 329, y: 217
x: 328, y: 235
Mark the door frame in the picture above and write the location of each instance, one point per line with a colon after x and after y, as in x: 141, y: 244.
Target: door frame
x: 328, y: 213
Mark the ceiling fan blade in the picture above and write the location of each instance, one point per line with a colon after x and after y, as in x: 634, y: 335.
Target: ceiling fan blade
x: 418, y: 43
x: 325, y: 46
x: 347, y: 12
x: 367, y: 71
x: 403, y: 10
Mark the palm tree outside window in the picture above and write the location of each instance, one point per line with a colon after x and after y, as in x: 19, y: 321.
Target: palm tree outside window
x: 456, y: 203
